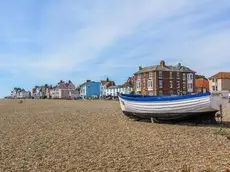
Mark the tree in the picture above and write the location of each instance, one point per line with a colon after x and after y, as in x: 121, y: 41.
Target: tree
x: 200, y: 76
x: 107, y: 79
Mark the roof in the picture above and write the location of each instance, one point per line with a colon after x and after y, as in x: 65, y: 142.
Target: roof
x: 221, y: 75
x: 114, y: 87
x: 65, y: 85
x: 201, y: 83
x: 177, y: 68
x: 86, y: 83
x: 128, y: 83
x: 108, y: 83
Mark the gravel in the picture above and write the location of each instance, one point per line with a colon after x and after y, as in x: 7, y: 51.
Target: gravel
x: 82, y: 135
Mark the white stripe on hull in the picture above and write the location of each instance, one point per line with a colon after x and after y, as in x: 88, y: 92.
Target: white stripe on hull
x: 201, y: 104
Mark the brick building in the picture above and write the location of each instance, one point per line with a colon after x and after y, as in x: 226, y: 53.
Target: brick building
x: 164, y: 80
x: 201, y: 85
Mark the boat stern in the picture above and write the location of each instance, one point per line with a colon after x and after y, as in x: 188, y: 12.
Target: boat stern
x: 219, y: 99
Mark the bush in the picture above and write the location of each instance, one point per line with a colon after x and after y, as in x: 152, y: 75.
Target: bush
x: 44, y: 97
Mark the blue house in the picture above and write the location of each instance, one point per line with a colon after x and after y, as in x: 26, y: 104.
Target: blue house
x: 90, y: 89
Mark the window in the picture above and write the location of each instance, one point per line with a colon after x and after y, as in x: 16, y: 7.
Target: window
x: 190, y: 76
x: 138, y: 84
x: 178, y: 84
x: 171, y: 92
x: 170, y: 75
x: 150, y: 84
x: 138, y: 76
x: 150, y: 75
x: 178, y: 75
x: 160, y: 74
x: 184, y: 76
x: 190, y: 86
x: 171, y: 84
x: 160, y: 83
x: 178, y: 92
x: 184, y: 86
x: 216, y: 88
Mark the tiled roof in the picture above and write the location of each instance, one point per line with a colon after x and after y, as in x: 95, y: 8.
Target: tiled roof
x: 113, y: 87
x: 177, y: 68
x: 221, y: 75
x: 201, y: 83
x: 108, y: 83
x: 65, y: 85
x: 128, y: 83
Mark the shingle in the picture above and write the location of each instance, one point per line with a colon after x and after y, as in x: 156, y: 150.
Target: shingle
x: 221, y: 75
x: 165, y: 68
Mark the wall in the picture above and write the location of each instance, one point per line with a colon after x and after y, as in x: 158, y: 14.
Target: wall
x: 65, y: 94
x: 219, y: 84
x: 225, y: 84
x: 93, y: 89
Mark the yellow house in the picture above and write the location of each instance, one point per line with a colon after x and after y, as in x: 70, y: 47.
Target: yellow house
x: 220, y: 82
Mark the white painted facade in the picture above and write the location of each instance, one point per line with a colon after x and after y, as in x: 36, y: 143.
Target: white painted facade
x: 115, y: 90
x: 190, y: 82
x: 37, y: 94
x: 20, y: 93
x: 23, y: 94
x: 83, y: 91
x: 55, y: 93
x: 74, y: 94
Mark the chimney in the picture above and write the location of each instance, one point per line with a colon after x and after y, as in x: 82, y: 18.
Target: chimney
x: 140, y: 67
x: 162, y: 63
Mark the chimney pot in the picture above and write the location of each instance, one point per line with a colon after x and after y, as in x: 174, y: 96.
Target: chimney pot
x: 162, y: 63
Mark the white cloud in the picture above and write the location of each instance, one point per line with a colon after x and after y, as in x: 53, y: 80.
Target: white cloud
x: 72, y: 34
x: 105, y: 22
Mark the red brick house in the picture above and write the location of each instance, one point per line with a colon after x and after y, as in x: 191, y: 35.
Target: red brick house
x: 201, y: 85
x: 164, y: 80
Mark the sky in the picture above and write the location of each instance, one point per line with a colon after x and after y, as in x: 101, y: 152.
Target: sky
x: 44, y: 41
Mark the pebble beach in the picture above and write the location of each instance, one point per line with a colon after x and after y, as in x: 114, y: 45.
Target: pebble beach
x: 84, y: 135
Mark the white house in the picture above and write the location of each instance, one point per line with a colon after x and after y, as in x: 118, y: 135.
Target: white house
x: 74, y: 94
x: 24, y: 94
x: 37, y: 92
x: 104, y: 85
x: 116, y: 90
x: 18, y: 93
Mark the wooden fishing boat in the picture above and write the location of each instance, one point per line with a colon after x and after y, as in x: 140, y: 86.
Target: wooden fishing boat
x: 173, y: 107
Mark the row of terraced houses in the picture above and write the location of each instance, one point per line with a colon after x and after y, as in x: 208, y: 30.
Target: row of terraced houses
x: 159, y: 79
x: 67, y: 90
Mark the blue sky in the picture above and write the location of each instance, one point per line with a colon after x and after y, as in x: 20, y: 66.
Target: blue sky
x: 43, y: 41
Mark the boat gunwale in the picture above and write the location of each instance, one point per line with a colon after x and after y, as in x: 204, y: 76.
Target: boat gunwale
x: 140, y: 98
